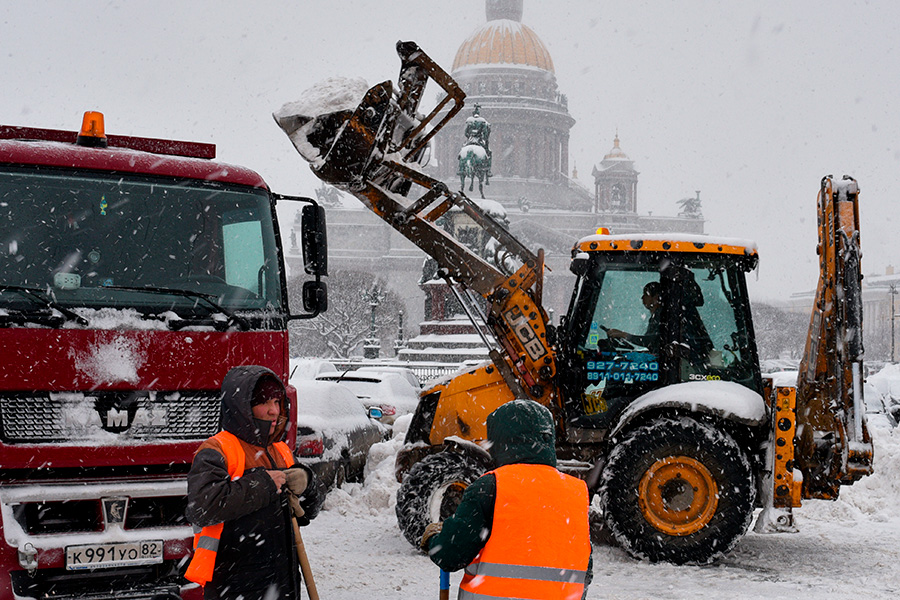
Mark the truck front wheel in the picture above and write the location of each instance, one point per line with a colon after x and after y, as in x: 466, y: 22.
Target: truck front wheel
x: 677, y: 490
x: 432, y: 490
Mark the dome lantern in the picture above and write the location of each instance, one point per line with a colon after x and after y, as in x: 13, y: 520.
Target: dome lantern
x: 503, y: 9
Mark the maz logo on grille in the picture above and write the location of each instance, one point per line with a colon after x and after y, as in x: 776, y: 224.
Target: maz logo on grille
x: 113, y: 412
x: 116, y: 412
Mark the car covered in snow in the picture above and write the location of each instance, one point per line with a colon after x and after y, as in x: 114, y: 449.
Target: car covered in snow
x: 309, y: 368
x: 334, y: 431
x: 404, y: 372
x: 882, y: 395
x: 391, y: 392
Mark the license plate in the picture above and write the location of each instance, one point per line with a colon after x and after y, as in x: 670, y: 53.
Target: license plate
x: 116, y: 554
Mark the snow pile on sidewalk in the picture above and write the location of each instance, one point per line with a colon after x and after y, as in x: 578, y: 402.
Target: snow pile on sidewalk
x: 378, y: 494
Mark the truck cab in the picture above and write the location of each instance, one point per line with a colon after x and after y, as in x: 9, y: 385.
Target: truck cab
x: 134, y: 274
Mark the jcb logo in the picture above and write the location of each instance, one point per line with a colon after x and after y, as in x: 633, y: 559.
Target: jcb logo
x: 522, y: 328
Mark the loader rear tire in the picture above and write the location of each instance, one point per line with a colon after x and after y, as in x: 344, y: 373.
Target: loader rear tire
x: 677, y: 490
x: 432, y: 490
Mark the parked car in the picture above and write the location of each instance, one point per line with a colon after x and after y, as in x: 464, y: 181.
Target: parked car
x: 404, y: 372
x: 308, y: 368
x: 881, y: 411
x: 335, y: 431
x: 390, y: 392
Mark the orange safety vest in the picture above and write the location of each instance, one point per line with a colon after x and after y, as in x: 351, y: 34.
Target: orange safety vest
x: 539, y: 545
x: 206, y: 541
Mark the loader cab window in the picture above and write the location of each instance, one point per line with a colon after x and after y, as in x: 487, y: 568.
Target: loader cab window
x: 618, y: 335
x: 727, y: 345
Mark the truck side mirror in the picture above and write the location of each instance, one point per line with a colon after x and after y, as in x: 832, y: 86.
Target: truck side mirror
x: 314, y: 245
x: 314, y: 241
x: 315, y: 296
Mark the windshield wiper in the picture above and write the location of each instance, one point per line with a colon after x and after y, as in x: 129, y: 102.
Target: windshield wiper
x: 44, y: 298
x: 240, y: 321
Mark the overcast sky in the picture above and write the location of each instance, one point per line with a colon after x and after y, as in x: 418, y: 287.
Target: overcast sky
x: 749, y: 102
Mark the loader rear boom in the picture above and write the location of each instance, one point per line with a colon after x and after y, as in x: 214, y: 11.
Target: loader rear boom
x: 834, y: 447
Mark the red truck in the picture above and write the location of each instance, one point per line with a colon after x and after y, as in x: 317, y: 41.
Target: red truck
x: 134, y: 273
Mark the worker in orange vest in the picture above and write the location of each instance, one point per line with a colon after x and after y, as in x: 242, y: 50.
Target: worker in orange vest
x: 520, y: 530
x: 244, y: 487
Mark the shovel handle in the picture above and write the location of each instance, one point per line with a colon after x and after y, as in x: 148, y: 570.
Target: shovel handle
x: 304, y: 562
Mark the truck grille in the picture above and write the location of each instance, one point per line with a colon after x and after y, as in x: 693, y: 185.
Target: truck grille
x: 74, y: 416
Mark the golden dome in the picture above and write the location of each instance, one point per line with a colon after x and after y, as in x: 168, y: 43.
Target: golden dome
x: 503, y: 42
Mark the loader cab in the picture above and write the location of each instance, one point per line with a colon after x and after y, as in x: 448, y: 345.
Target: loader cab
x: 645, y: 316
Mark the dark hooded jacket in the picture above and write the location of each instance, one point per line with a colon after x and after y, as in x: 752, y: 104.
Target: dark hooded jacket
x: 256, y: 549
x: 521, y: 432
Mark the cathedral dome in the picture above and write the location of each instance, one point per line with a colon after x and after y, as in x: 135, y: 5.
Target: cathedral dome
x: 503, y: 41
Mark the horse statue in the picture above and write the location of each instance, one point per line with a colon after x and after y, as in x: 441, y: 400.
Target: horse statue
x: 475, y: 156
x: 474, y: 163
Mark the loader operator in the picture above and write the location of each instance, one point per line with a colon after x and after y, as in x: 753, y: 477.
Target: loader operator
x: 244, y: 487
x: 650, y: 339
x: 521, y: 530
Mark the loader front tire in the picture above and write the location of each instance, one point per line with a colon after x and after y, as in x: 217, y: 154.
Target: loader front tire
x: 677, y: 490
x: 432, y: 490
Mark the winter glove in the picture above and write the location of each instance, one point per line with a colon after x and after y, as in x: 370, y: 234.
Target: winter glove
x: 431, y: 530
x: 295, y: 507
x: 297, y: 481
x: 306, y: 503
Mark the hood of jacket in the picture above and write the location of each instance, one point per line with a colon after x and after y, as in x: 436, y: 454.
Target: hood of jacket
x: 522, y: 431
x: 237, y: 416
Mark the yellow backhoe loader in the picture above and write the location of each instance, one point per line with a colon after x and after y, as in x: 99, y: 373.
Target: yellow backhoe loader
x: 652, y: 375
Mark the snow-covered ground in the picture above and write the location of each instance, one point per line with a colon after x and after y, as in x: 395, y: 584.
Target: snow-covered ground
x: 849, y: 548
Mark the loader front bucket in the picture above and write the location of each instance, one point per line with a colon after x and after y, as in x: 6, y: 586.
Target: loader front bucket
x: 359, y: 139
x: 340, y: 145
x: 344, y: 147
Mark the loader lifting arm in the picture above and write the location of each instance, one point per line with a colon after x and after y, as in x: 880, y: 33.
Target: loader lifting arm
x: 833, y: 446
x: 371, y: 152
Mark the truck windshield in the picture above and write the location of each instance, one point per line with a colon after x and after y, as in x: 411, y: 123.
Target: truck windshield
x: 92, y: 239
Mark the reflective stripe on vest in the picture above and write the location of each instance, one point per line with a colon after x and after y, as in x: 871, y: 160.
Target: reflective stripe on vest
x: 524, y: 572
x: 539, y: 545
x: 206, y: 541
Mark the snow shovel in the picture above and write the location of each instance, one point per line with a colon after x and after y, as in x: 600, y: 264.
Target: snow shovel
x: 445, y: 585
x: 304, y: 562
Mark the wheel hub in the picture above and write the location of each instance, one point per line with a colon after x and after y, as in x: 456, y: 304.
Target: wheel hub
x: 678, y: 495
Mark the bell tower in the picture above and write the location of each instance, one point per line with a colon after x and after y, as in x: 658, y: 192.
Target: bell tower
x: 615, y: 182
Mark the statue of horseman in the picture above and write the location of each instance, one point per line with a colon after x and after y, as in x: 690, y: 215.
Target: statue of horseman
x: 475, y: 156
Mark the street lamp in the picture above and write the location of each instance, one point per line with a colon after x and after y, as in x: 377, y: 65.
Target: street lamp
x: 399, y: 343
x: 893, y: 292
x: 372, y: 345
